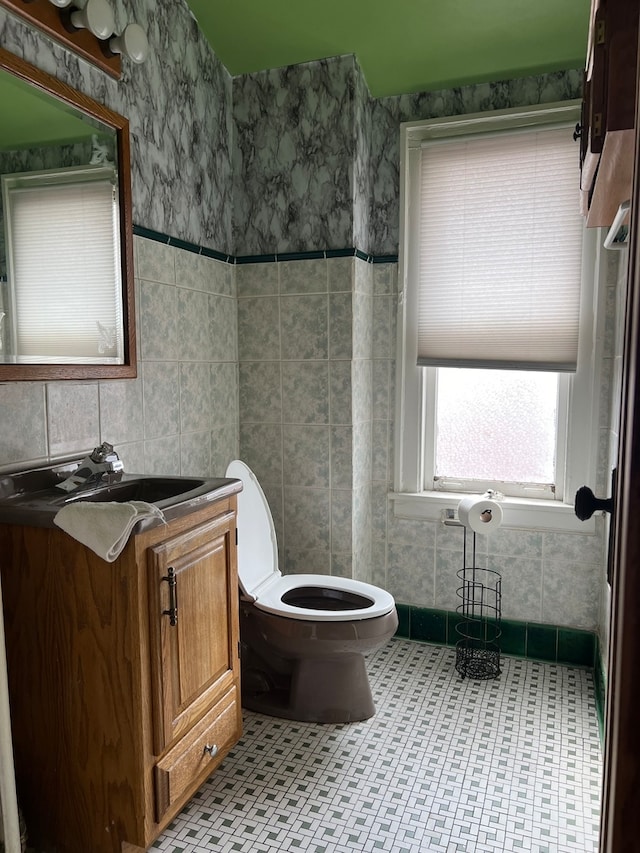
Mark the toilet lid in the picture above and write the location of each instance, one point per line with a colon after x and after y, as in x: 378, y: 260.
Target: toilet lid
x: 258, y: 573
x: 257, y: 545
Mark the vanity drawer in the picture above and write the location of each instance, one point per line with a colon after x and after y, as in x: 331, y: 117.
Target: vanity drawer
x: 197, y: 754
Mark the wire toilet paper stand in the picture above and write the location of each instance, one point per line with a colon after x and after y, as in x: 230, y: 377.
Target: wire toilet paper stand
x: 480, y: 611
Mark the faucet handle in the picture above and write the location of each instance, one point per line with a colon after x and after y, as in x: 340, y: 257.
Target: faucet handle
x: 102, y: 452
x: 107, y: 456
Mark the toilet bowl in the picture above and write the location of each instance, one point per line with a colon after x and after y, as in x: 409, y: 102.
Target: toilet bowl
x: 303, y: 637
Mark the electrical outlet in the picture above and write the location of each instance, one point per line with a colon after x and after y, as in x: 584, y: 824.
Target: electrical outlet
x: 450, y: 515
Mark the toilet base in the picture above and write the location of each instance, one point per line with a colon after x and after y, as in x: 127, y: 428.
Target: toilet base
x: 309, y: 671
x: 319, y: 690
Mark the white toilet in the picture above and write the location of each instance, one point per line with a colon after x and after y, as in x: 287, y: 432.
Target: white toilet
x: 303, y: 637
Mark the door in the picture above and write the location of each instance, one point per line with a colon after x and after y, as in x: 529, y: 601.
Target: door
x: 194, y: 642
x: 621, y: 784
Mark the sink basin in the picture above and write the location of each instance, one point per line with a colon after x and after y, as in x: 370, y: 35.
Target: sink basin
x: 153, y: 490
x: 33, y: 497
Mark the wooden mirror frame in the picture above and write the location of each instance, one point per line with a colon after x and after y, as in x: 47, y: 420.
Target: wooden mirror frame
x: 128, y: 370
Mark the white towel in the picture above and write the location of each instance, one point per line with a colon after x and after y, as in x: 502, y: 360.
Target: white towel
x: 104, y: 527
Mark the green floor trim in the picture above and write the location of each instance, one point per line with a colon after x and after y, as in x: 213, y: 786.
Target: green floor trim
x: 600, y: 682
x: 549, y: 643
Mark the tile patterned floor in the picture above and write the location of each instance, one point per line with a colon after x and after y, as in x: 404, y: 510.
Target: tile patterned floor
x: 446, y: 764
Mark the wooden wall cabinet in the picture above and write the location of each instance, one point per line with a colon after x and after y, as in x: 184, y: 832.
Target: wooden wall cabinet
x: 124, y: 696
x: 608, y: 115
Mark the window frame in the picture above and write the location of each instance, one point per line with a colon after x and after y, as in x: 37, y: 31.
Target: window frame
x: 415, y: 387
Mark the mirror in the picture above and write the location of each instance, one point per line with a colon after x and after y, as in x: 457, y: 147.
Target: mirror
x: 66, y: 235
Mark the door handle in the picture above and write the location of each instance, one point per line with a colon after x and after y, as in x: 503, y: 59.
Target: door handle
x: 586, y: 503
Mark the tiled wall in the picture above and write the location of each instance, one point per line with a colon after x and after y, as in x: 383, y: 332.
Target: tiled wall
x: 180, y: 416
x: 306, y: 428
x: 300, y: 428
x: 305, y: 405
x: 547, y: 577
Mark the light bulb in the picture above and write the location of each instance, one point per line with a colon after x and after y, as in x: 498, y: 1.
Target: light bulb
x: 132, y: 43
x: 95, y: 16
x: 61, y: 4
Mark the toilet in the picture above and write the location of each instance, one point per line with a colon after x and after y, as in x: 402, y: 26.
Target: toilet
x: 303, y: 637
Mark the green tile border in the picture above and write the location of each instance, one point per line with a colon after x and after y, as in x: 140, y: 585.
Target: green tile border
x: 404, y: 621
x: 348, y: 252
x: 600, y: 682
x: 430, y: 626
x: 529, y: 640
x: 514, y: 638
x: 576, y: 647
x: 542, y: 643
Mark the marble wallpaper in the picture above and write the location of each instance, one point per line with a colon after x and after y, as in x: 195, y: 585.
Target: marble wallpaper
x: 317, y: 159
x: 293, y: 158
x: 363, y: 177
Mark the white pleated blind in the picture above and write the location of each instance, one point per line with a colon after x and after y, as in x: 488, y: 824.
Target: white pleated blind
x: 65, y: 272
x: 500, y: 251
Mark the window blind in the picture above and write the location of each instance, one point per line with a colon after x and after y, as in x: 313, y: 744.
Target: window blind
x: 499, y: 261
x: 68, y: 308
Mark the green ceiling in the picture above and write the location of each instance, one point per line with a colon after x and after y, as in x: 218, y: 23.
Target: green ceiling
x: 402, y: 45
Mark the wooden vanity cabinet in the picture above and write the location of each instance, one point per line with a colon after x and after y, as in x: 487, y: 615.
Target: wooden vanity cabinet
x: 123, y: 677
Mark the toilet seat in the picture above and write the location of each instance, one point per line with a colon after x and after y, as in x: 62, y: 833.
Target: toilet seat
x: 270, y: 598
x: 258, y: 573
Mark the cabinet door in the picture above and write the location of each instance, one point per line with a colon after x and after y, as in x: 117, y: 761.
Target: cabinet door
x: 193, y: 625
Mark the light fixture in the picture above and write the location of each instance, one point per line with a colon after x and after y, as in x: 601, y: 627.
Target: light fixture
x: 132, y: 43
x: 95, y: 16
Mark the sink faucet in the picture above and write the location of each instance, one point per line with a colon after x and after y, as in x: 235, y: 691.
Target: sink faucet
x: 103, y: 465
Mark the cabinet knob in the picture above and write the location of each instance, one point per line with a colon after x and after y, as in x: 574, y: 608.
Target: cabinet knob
x: 211, y: 749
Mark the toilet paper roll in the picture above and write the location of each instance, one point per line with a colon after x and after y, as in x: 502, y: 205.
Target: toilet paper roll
x: 480, y: 514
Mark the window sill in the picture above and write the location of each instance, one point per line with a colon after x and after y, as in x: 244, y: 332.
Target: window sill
x: 521, y: 513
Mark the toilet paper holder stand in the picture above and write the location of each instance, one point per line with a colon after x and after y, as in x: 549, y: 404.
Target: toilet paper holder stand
x: 480, y: 611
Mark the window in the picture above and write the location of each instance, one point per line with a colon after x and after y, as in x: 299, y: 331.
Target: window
x: 498, y: 359
x: 497, y: 429
x: 68, y: 311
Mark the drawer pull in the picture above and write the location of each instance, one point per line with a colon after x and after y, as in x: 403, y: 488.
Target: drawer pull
x: 212, y: 750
